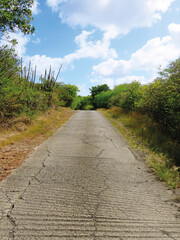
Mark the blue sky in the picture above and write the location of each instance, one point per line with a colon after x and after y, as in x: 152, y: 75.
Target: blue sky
x: 102, y: 41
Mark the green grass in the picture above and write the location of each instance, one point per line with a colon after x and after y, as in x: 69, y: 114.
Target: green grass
x: 142, y: 134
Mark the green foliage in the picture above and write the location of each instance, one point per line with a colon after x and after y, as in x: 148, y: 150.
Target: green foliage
x: 9, y: 63
x: 102, y: 99
x: 126, y: 96
x: 132, y: 97
x: 16, y: 14
x: 119, y: 93
x: 76, y: 104
x: 9, y: 90
x: 143, y: 134
x: 20, y: 94
x: 161, y: 100
x: 89, y: 107
x: 121, y: 88
x: 67, y: 93
x: 82, y: 103
x: 96, y: 90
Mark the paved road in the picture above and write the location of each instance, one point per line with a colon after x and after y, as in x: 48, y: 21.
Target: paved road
x: 85, y: 183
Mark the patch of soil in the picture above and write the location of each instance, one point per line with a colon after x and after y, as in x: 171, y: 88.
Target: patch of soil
x: 12, y: 156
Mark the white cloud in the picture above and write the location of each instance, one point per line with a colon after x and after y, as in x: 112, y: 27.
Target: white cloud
x: 87, y: 49
x: 102, y: 80
x: 90, y: 49
x: 174, y: 28
x: 159, y: 5
x: 54, y: 4
x: 21, y: 39
x: 157, y: 51
x: 83, y: 91
x: 129, y: 79
x: 43, y: 63
x: 112, y: 68
x: 37, y: 41
x: 35, y: 8
x: 106, y: 14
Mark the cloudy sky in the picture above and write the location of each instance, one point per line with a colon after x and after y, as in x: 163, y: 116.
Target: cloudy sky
x: 103, y: 41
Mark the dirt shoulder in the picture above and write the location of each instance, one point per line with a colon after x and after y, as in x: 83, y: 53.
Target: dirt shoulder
x: 22, y: 135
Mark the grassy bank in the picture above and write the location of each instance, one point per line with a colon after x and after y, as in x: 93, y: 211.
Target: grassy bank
x: 142, y: 134
x: 21, y: 135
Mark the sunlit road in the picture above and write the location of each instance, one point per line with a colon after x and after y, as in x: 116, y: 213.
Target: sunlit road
x: 85, y: 183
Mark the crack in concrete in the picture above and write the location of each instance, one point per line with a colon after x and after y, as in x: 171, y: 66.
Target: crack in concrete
x: 8, y: 213
x: 37, y: 174
x: 168, y: 234
x: 9, y: 216
x: 98, y: 195
x: 86, y: 142
x: 7, y: 197
x: 83, y: 203
x: 111, y: 140
x: 12, y: 220
x: 38, y: 180
x: 91, y: 195
x: 100, y: 153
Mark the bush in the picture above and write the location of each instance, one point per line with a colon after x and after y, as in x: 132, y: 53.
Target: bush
x: 82, y: 103
x: 161, y: 100
x: 102, y: 99
x: 19, y: 92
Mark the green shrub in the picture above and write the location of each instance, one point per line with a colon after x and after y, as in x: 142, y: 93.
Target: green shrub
x: 102, y: 100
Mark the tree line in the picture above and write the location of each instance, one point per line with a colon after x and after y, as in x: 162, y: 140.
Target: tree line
x: 160, y: 99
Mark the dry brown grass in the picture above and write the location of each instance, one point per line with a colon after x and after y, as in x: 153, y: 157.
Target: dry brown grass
x: 143, y: 135
x: 20, y: 136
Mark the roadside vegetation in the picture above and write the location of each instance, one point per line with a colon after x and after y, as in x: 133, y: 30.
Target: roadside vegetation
x: 31, y: 109
x: 143, y: 135
x: 149, y: 118
x: 23, y: 134
x: 147, y: 115
x: 21, y: 94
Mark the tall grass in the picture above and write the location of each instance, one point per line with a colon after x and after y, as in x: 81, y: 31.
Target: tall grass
x: 43, y: 124
x: 163, y: 153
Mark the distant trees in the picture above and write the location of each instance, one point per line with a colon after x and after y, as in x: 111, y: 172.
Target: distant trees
x: 16, y: 14
x: 67, y: 93
x: 82, y: 103
x: 97, y: 90
x: 160, y: 100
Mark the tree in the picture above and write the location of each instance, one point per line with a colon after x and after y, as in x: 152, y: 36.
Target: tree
x: 98, y: 89
x: 16, y: 14
x: 131, y: 97
x: 102, y: 99
x: 66, y: 93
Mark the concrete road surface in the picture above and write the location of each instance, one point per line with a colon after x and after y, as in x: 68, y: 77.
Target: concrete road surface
x: 85, y: 183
